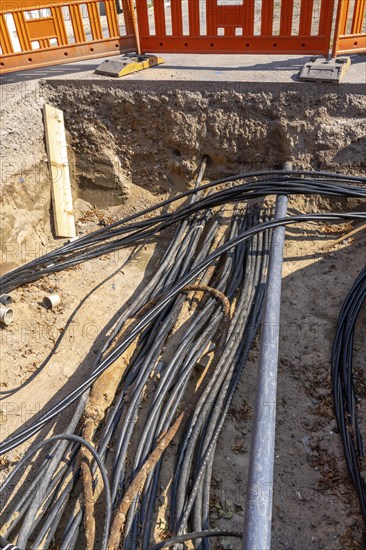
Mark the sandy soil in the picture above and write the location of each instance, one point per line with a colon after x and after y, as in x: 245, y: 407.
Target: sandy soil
x: 314, y: 503
x: 313, y: 496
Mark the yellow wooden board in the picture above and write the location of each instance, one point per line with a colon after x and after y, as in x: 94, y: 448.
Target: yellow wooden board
x: 59, y: 168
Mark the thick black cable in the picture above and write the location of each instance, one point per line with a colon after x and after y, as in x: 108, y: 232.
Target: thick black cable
x: 193, y: 536
x: 16, y: 440
x: 80, y: 441
x: 344, y: 390
x: 30, y: 272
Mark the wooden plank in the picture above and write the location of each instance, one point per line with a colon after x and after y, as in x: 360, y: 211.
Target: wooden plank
x: 59, y: 168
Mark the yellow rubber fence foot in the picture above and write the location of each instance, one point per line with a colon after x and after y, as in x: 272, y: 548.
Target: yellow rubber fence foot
x: 128, y: 64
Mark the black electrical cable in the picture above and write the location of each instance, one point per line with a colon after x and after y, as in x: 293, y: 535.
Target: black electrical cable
x: 146, y: 534
x: 253, y: 327
x: 169, y: 408
x: 168, y: 543
x: 190, y: 361
x: 6, y: 545
x: 213, y: 401
x: 174, y: 381
x: 31, y: 512
x: 184, y: 261
x: 344, y: 390
x: 133, y: 308
x: 198, y: 418
x: 68, y: 323
x: 26, y: 503
x: 80, y: 441
x: 227, y: 390
x: 22, y: 436
x: 74, y: 254
x: 125, y: 539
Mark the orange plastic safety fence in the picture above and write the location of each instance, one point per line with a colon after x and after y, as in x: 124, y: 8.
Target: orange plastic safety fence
x: 36, y: 33
x: 235, y: 26
x: 350, y: 32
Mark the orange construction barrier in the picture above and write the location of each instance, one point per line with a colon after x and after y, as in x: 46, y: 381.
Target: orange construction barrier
x: 47, y: 32
x: 235, y: 26
x: 350, y: 32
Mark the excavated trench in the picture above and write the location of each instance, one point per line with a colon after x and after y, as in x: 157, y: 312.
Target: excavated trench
x: 133, y: 145
x: 151, y: 138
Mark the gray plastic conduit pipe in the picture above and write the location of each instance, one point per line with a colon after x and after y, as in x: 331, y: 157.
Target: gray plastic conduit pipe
x: 258, y: 508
